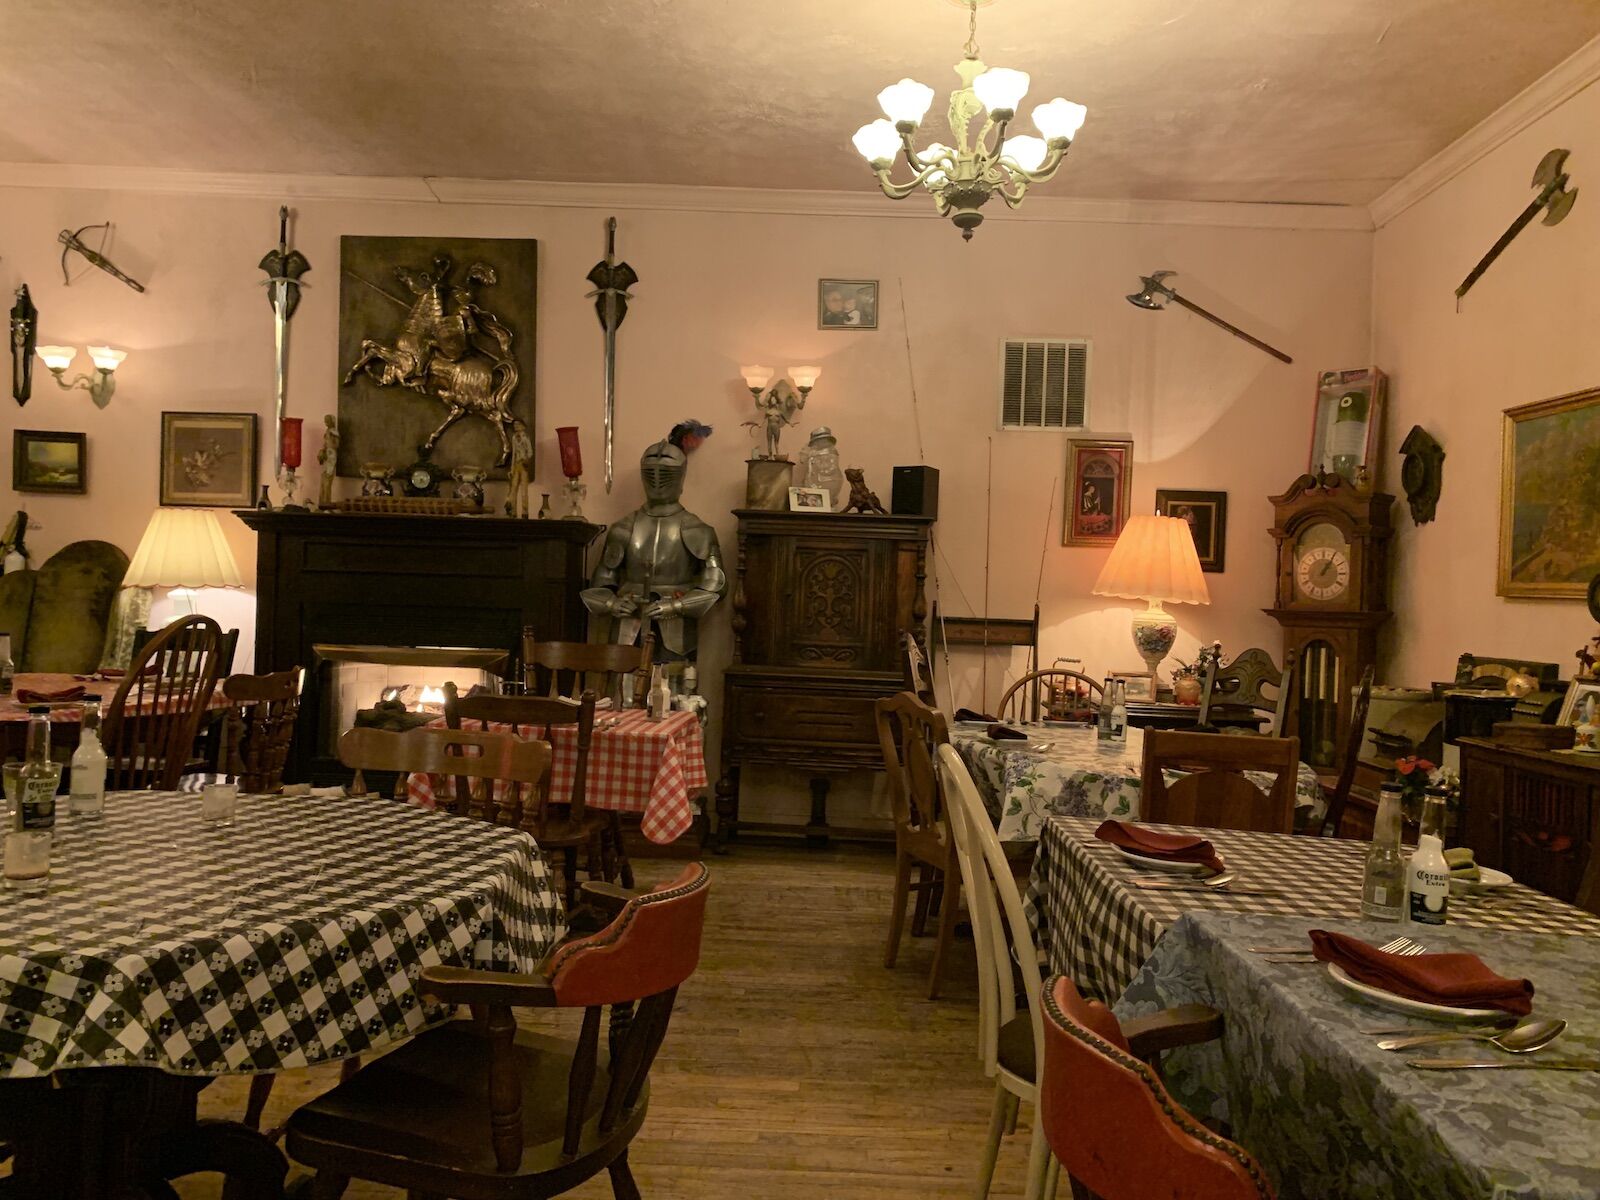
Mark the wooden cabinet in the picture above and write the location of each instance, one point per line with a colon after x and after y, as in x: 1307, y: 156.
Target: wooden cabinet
x: 821, y: 602
x: 1531, y: 813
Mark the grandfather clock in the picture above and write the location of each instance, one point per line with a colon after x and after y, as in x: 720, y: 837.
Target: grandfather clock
x: 1333, y: 582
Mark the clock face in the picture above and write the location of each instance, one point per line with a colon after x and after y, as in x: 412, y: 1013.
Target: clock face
x: 1322, y: 564
x: 421, y: 478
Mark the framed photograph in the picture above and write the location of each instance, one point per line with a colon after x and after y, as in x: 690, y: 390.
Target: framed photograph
x: 42, y: 461
x: 1207, y: 514
x: 1099, y: 475
x: 1549, y: 546
x: 1348, y: 423
x: 208, y: 460
x: 1139, y: 685
x: 1582, y: 703
x: 847, y: 304
x: 810, y: 500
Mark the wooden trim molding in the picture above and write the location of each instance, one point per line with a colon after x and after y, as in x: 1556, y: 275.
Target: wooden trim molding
x: 1540, y: 98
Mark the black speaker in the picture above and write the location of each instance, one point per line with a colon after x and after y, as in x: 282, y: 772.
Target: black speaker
x: 915, y: 492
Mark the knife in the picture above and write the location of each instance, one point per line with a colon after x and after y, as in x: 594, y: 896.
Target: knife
x: 1478, y: 1064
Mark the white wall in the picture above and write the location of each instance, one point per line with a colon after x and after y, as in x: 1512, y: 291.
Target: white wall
x: 1525, y: 332
x: 718, y: 289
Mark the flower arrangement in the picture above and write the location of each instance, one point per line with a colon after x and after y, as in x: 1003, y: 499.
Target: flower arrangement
x: 1413, y: 774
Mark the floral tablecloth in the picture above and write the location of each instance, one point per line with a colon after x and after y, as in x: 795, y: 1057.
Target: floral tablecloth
x: 1331, y: 1117
x: 1065, y: 771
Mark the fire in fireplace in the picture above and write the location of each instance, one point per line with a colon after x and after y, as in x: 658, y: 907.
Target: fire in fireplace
x: 395, y: 687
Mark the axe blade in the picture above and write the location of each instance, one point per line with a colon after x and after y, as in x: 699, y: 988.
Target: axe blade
x: 1549, y: 168
x: 1560, y: 205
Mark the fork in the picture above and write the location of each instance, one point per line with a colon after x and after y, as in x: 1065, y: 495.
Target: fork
x: 1404, y: 947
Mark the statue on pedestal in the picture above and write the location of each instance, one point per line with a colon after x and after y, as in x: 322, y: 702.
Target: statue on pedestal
x: 661, y: 568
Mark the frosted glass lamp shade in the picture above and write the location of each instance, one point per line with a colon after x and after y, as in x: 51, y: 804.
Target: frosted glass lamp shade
x: 105, y: 358
x: 57, y: 358
x: 906, y: 102
x: 1154, y: 559
x: 1000, y: 89
x: 183, y: 547
x: 1027, y: 151
x: 1059, y: 120
x: 878, y: 142
x: 805, y: 378
x: 756, y: 378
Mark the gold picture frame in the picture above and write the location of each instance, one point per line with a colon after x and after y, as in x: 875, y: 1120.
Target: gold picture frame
x: 1549, y: 531
x: 1099, y: 478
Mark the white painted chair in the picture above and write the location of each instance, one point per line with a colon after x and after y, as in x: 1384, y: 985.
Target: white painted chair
x: 1010, y: 1043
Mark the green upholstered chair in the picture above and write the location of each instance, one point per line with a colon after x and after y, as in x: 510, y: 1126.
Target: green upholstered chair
x: 57, y: 615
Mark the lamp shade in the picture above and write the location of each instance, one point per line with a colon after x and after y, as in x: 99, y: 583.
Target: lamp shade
x: 1154, y: 559
x: 183, y: 547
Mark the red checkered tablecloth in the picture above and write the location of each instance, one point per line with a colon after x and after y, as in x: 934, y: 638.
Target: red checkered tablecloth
x: 636, y: 766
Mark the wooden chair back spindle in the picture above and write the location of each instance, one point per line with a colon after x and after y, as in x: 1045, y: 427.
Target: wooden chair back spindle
x: 259, y: 727
x: 1212, y: 789
x: 567, y: 668
x: 1243, y: 683
x: 1339, y: 798
x: 540, y: 714
x: 909, y: 734
x: 918, y: 671
x: 445, y: 753
x: 153, y: 717
x: 1025, y: 699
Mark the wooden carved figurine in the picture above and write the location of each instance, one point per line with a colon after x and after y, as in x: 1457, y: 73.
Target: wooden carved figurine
x: 862, y: 498
x: 328, y: 456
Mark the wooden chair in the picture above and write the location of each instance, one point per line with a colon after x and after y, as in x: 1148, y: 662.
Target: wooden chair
x: 1008, y: 1038
x: 1109, y: 1121
x: 478, y: 1109
x: 564, y: 823
x: 919, y: 672
x: 909, y: 732
x: 259, y: 728
x: 445, y: 753
x: 1339, y: 795
x: 1213, y: 790
x: 1022, y: 700
x: 606, y: 668
x: 154, y: 715
x: 1242, y: 683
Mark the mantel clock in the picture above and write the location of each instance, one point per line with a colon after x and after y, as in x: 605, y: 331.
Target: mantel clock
x: 1332, y: 586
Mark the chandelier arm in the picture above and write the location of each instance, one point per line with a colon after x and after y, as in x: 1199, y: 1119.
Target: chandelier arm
x: 1013, y: 199
x: 1045, y: 170
x: 899, y: 191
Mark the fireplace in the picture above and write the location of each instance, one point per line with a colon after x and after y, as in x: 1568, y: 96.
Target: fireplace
x: 393, y: 687
x: 380, y: 587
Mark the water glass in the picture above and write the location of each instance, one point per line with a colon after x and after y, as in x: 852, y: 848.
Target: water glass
x: 218, y: 802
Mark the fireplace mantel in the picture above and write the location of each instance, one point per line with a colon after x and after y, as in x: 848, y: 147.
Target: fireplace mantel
x: 394, y: 580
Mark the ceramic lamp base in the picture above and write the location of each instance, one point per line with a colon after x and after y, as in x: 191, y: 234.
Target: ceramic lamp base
x: 1154, y: 632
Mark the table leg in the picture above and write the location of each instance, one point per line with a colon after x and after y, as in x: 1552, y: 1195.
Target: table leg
x: 727, y: 806
x: 817, y: 828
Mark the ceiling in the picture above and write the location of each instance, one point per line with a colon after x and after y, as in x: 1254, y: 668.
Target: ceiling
x: 1294, y: 101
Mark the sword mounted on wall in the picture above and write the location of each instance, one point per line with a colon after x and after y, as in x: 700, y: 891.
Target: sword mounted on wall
x: 611, y: 281
x: 284, y: 267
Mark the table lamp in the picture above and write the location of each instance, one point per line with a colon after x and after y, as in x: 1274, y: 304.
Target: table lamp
x: 1154, y: 560
x: 183, y: 549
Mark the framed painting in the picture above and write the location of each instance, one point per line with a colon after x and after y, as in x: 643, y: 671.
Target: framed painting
x: 1207, y: 515
x: 208, y: 460
x: 43, y: 461
x: 1550, y: 497
x: 1099, y: 475
x: 1347, y: 422
x: 1582, y: 703
x: 847, y: 304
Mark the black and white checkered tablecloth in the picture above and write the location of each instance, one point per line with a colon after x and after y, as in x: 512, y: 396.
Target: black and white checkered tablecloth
x: 1099, y: 929
x: 293, y: 936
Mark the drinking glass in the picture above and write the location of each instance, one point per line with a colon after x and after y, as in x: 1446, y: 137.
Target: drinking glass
x: 218, y: 802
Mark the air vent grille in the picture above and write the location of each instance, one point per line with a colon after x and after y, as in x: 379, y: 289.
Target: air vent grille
x: 1044, y: 383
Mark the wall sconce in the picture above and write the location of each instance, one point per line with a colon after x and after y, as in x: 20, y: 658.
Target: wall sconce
x: 776, y: 407
x: 106, y: 361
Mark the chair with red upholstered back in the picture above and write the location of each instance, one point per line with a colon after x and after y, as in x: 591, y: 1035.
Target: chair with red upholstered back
x: 478, y: 1109
x: 1111, y: 1124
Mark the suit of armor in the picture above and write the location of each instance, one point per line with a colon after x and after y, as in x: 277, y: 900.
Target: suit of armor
x: 661, y: 567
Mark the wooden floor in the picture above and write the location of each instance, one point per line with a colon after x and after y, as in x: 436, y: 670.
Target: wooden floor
x: 796, y: 1066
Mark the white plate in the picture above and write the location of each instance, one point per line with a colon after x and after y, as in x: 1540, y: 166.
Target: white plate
x: 1404, y: 1004
x: 1162, y: 864
x: 1488, y: 880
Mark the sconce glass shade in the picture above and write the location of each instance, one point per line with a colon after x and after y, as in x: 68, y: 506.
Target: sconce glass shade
x: 877, y: 142
x: 105, y: 358
x: 1001, y: 89
x: 906, y: 101
x: 1027, y: 151
x: 1059, y: 119
x: 805, y: 378
x: 57, y: 358
x: 756, y: 377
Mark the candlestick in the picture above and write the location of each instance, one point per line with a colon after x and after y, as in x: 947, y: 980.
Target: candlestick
x: 571, y: 453
x: 290, y: 441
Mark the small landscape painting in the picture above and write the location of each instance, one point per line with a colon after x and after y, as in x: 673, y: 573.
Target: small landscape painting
x: 1550, y: 497
x: 48, y: 462
x: 208, y: 460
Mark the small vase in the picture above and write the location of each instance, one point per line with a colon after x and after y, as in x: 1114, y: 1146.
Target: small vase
x: 1186, y: 689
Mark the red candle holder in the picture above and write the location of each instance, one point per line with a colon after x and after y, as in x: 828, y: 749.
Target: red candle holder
x: 289, y: 442
x: 571, y: 455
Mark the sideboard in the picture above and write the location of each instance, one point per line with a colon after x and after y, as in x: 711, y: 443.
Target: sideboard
x: 1533, y: 813
x: 821, y: 604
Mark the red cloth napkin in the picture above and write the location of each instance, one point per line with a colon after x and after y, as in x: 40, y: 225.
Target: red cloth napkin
x: 1456, y: 980
x: 1169, y: 847
x: 29, y: 696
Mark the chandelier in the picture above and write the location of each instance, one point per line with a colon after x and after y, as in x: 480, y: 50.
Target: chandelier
x: 962, y: 177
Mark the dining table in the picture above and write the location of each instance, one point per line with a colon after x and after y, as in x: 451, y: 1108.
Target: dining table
x: 65, y: 715
x: 1059, y: 769
x: 655, y: 769
x: 167, y: 951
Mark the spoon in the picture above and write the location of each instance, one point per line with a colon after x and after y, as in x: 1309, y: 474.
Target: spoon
x: 1524, y: 1039
x: 1222, y: 879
